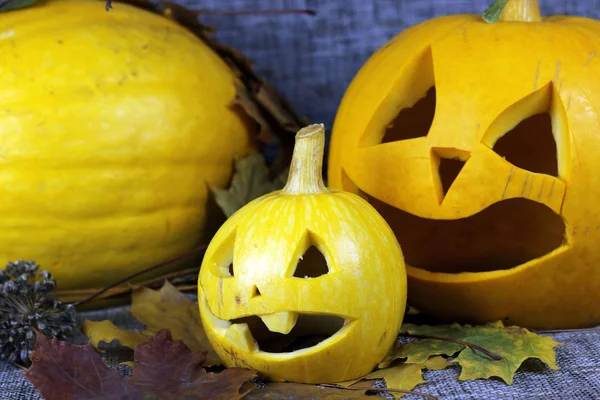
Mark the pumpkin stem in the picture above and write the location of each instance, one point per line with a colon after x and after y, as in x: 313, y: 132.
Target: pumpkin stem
x: 513, y: 10
x: 306, y: 168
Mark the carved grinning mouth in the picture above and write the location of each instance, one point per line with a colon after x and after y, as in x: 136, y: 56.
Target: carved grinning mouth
x: 260, y: 333
x: 309, y: 331
x: 504, y: 235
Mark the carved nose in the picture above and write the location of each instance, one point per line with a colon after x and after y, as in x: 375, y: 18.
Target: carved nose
x: 449, y: 163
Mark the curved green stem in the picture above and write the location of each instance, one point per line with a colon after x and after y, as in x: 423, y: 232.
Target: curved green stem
x: 493, y: 12
x: 512, y: 11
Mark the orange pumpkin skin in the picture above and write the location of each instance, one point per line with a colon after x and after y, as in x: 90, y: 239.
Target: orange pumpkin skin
x: 506, y: 240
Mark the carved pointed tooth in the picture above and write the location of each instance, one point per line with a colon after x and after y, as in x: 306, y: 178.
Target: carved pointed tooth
x: 240, y: 336
x: 281, y: 322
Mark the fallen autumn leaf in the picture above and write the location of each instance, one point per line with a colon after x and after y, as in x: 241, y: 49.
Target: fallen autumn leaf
x: 106, y: 331
x: 63, y: 371
x: 250, y: 181
x: 514, y: 344
x: 405, y: 376
x: 168, y: 369
x: 165, y: 369
x: 170, y: 309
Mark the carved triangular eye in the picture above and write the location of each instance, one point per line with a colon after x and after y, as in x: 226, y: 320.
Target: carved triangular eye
x: 312, y: 264
x: 530, y: 145
x: 408, y: 109
x: 414, y: 120
x: 532, y: 133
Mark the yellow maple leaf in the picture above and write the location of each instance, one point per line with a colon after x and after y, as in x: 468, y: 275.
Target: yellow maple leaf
x: 405, y: 376
x: 170, y: 309
x: 166, y: 308
x: 105, y: 331
x: 402, y: 376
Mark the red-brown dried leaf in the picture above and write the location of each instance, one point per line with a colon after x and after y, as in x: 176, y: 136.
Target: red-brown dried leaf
x: 164, y: 366
x: 63, y: 371
x: 164, y: 369
x: 253, y: 110
x: 222, y: 386
x: 167, y: 369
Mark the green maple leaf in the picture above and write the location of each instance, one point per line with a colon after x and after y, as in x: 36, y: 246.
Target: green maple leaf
x: 420, y: 351
x: 514, y: 344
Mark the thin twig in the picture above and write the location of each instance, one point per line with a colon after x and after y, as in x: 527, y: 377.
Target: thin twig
x: 150, y: 284
x: 172, y: 275
x: 566, y: 330
x: 488, y: 353
x: 144, y: 271
x: 108, y: 5
x: 185, y: 288
x: 257, y: 12
x: 429, y: 396
x: 126, y: 289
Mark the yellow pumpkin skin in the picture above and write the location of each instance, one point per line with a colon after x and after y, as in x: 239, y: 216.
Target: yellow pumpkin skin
x: 263, y: 241
x: 111, y: 126
x: 487, y: 77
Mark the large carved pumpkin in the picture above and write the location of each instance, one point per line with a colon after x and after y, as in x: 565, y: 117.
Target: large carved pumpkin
x: 112, y: 126
x: 480, y: 145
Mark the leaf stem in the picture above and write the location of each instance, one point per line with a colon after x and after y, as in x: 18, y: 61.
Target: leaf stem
x: 488, y: 353
x: 379, y: 390
x: 14, y: 364
x: 144, y: 271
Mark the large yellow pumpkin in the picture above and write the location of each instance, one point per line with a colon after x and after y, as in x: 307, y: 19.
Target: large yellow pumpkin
x: 112, y: 126
x: 479, y: 143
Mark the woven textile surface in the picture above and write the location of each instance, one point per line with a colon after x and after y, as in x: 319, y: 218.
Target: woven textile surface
x: 577, y: 379
x: 311, y: 60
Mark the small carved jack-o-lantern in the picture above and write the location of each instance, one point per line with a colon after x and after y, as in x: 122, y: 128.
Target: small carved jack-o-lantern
x: 479, y: 143
x: 305, y: 284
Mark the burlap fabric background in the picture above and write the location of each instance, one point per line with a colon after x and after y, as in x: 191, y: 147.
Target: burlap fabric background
x: 577, y: 379
x: 312, y: 60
